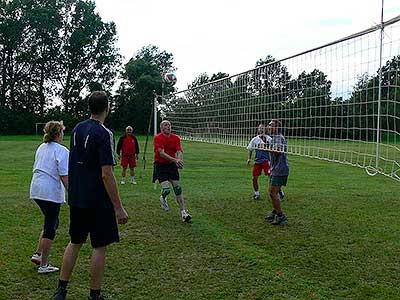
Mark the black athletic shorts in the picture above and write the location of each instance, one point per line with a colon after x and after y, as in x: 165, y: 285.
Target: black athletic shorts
x: 101, y: 223
x: 164, y: 172
x: 51, y: 211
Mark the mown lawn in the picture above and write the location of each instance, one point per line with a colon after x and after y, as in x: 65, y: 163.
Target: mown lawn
x: 342, y: 240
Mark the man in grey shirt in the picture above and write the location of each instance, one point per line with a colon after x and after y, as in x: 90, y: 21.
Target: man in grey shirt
x: 279, y: 171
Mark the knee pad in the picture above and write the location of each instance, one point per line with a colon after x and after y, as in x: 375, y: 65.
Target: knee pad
x: 165, y: 192
x: 178, y: 190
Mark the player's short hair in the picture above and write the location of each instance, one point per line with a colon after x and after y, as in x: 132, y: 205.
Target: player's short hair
x: 165, y: 121
x: 51, y: 130
x: 276, y: 122
x: 98, y: 102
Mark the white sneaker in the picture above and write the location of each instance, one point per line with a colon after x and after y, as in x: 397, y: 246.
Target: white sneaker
x: 133, y: 182
x: 122, y: 181
x: 36, y: 259
x: 186, y: 217
x: 164, y: 203
x: 47, y: 269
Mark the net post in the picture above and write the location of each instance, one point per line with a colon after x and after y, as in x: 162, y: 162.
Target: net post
x: 378, y: 129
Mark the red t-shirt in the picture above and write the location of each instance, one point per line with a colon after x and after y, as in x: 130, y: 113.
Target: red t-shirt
x: 128, y: 146
x: 171, y: 144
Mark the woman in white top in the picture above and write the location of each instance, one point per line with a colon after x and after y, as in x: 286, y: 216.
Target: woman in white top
x: 49, y: 180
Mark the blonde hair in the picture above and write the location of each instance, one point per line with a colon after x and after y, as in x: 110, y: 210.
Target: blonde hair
x: 51, y: 130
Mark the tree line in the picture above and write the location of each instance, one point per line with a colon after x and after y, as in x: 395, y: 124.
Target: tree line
x: 54, y: 53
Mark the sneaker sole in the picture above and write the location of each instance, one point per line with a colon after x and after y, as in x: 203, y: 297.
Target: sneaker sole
x: 35, y: 261
x: 47, y: 272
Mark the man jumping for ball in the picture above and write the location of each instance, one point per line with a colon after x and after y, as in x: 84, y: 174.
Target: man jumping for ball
x: 168, y: 158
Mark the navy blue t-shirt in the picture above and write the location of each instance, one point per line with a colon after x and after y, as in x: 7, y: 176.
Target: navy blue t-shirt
x: 91, y: 148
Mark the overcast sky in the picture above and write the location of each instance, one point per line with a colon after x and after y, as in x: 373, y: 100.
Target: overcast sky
x: 231, y: 35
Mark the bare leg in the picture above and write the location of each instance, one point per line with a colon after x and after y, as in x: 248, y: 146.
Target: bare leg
x: 123, y: 172
x: 132, y: 171
x: 274, y: 194
x: 39, y: 246
x: 255, y: 183
x: 45, y: 245
x: 179, y: 199
x: 97, y: 267
x: 70, y: 256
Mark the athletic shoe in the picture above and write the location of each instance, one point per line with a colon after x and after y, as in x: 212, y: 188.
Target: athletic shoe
x: 279, y: 219
x: 164, y: 203
x: 270, y: 216
x: 36, y: 259
x: 256, y: 197
x: 281, y: 194
x: 186, y: 217
x: 47, y: 269
x: 60, y: 294
x: 133, y: 182
x: 123, y: 181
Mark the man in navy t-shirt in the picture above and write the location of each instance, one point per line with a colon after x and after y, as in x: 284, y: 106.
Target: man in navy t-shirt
x: 95, y: 205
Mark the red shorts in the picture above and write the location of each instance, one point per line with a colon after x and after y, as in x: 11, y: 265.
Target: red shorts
x: 128, y: 160
x: 258, y: 168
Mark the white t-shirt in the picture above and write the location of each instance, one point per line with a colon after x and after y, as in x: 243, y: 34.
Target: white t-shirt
x: 51, y: 162
x: 257, y: 142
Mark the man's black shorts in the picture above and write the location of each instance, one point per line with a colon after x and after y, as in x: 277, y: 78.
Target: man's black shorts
x: 101, y: 223
x: 164, y: 172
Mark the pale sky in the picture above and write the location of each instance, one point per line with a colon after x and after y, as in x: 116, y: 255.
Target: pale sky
x: 230, y: 35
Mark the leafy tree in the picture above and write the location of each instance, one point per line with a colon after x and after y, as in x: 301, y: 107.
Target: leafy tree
x: 89, y: 53
x: 53, y: 49
x: 143, y: 76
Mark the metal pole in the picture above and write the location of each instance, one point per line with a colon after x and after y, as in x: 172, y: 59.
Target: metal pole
x: 155, y: 114
x: 378, y: 129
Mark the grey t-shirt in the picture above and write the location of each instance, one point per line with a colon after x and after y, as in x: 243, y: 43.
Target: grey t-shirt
x: 279, y: 162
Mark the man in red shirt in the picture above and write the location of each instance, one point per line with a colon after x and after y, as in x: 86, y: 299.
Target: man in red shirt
x: 128, y: 151
x: 168, y: 158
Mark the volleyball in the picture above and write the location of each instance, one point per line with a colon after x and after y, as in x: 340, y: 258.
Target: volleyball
x: 170, y: 78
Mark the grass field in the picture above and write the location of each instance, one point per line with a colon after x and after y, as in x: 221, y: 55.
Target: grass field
x: 342, y: 240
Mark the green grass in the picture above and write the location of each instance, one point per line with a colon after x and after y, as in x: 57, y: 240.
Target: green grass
x: 342, y: 239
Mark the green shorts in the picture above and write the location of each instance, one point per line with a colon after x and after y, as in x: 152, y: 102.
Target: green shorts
x: 278, y: 180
